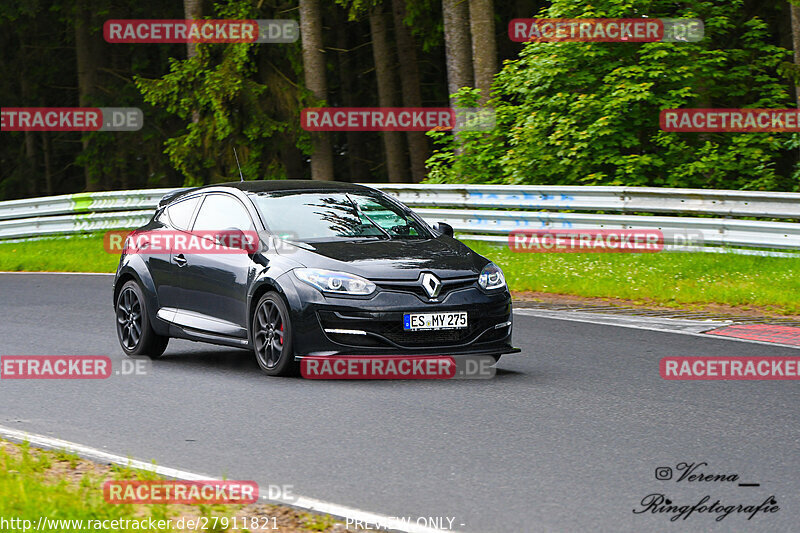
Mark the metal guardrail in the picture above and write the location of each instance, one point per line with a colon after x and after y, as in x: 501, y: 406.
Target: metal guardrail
x: 72, y: 224
x: 616, y: 199
x: 496, y: 225
x: 77, y: 213
x: 90, y: 202
x: 477, y: 211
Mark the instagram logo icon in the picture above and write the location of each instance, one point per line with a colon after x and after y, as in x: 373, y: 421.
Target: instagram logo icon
x: 663, y: 473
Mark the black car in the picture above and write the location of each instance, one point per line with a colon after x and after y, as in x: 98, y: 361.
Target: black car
x: 337, y: 269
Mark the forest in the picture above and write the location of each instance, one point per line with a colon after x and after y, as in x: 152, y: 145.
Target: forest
x: 571, y: 113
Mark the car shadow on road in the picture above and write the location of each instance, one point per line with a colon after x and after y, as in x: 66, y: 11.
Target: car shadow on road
x: 209, y: 358
x: 242, y: 363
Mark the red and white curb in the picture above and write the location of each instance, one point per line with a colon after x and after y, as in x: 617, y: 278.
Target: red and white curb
x: 695, y: 328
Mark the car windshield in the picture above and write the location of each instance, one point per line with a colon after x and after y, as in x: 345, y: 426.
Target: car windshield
x: 320, y: 216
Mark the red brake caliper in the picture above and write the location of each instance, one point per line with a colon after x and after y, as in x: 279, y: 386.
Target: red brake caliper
x: 281, y: 339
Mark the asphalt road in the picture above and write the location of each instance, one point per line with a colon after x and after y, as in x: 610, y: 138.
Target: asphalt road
x: 566, y: 437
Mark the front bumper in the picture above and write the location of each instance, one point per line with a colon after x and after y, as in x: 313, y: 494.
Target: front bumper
x: 332, y: 326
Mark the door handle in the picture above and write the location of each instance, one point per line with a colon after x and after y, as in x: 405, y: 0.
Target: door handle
x: 180, y: 260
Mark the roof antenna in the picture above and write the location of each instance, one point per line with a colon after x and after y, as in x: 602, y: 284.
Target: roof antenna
x: 241, y: 178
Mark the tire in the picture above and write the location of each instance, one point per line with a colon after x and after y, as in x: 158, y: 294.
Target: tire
x: 272, y: 337
x: 131, y: 317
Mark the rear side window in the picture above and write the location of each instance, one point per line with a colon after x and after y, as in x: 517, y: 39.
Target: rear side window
x: 222, y: 212
x: 180, y: 213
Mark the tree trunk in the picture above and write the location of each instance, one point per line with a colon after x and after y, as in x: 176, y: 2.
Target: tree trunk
x: 48, y: 167
x: 396, y: 166
x: 30, y: 156
x: 87, y: 73
x: 192, y: 10
x: 30, y: 140
x: 412, y: 95
x: 315, y: 80
x: 795, y: 16
x: 457, y: 45
x: 357, y: 168
x: 484, y: 46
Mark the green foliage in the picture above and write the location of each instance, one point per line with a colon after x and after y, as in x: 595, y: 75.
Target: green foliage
x: 477, y: 161
x: 569, y: 113
x: 230, y: 96
x: 424, y: 17
x: 588, y: 113
x: 357, y: 9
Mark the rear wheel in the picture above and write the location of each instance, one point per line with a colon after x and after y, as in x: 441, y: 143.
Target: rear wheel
x: 135, y: 333
x: 272, y: 336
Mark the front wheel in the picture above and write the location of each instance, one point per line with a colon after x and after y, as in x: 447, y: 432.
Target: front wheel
x: 272, y: 336
x: 135, y: 333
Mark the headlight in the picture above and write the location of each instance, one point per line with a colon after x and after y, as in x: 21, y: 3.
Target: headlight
x: 335, y: 282
x: 492, y: 277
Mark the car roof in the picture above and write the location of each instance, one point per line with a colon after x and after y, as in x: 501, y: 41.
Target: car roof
x: 270, y: 186
x: 292, y: 185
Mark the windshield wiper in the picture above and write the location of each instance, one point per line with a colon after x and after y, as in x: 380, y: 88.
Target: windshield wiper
x: 360, y: 212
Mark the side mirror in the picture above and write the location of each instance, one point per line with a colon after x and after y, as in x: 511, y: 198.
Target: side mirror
x: 443, y: 228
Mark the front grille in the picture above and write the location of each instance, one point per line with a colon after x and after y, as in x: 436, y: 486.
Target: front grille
x: 387, y: 328
x: 429, y: 338
x: 415, y: 287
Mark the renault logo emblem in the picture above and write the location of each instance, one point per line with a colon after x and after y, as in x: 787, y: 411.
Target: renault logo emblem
x: 431, y: 284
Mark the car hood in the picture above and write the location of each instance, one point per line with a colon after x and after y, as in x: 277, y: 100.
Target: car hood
x: 399, y: 259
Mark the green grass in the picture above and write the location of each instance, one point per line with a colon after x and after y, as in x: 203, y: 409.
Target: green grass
x: 78, y: 253
x: 68, y: 491
x: 676, y: 279
x: 318, y: 522
x: 27, y: 492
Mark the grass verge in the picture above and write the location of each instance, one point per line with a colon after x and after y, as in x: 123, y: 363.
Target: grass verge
x: 66, y: 489
x: 770, y: 285
x: 76, y: 253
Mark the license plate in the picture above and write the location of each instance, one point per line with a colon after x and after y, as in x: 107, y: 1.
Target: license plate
x: 418, y: 321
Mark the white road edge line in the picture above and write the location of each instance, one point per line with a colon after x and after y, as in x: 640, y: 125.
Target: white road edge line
x: 387, y: 523
x: 609, y: 322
